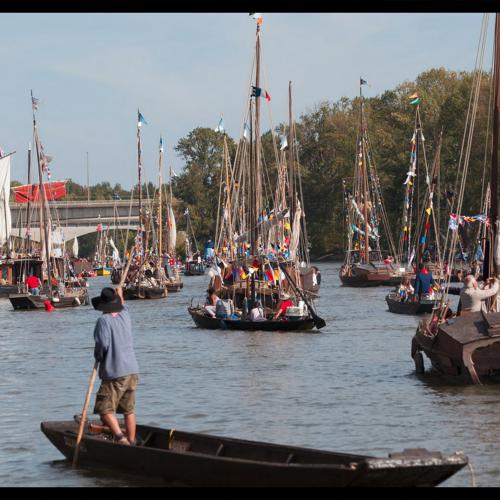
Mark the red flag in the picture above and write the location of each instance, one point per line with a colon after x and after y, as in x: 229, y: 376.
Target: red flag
x: 268, y: 96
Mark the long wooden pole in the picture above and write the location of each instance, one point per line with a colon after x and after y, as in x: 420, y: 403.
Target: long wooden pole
x: 28, y: 205
x: 291, y: 157
x: 84, y: 412
x: 160, y: 223
x: 258, y: 186
x: 491, y: 265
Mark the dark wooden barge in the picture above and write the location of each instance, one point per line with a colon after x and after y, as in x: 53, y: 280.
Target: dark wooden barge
x: 205, y: 460
x: 203, y: 320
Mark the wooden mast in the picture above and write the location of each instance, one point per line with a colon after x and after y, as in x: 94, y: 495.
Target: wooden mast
x: 139, y: 175
x: 365, y: 178
x: 490, y: 269
x: 417, y: 215
x: 43, y: 205
x: 291, y: 179
x: 28, y: 205
x: 160, y: 223
x: 257, y: 174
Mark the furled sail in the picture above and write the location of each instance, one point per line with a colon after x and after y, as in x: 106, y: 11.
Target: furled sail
x: 75, y: 248
x: 294, y: 241
x: 171, y: 231
x: 116, y: 253
x: 5, y: 220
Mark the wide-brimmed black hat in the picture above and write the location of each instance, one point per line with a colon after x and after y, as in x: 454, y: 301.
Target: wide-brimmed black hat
x: 109, y: 301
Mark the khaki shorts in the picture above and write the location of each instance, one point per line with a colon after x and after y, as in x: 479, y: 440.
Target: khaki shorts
x: 117, y: 395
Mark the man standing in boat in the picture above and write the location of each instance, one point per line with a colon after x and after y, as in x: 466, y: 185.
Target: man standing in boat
x: 423, y: 281
x: 118, y: 368
x: 472, y: 297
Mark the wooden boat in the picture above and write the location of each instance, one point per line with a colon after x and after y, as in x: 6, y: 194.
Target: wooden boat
x: 205, y: 460
x: 364, y: 264
x: 194, y: 268
x: 16, y: 270
x: 104, y: 271
x: 133, y: 292
x: 174, y: 286
x: 203, y: 320
x: 55, y: 261
x: 466, y: 348
x: 375, y: 273
x: 424, y: 306
x: 146, y: 278
x: 26, y: 301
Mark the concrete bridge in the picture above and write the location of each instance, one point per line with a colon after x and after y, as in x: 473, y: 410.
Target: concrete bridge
x: 79, y: 217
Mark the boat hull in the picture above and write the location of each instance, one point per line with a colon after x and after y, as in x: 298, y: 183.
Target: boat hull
x: 205, y: 460
x: 103, y: 271
x: 410, y: 308
x: 370, y: 275
x: 26, y: 301
x: 204, y: 321
x: 143, y: 292
x: 176, y: 286
x: 463, y: 350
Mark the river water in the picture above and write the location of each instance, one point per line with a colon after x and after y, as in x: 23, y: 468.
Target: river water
x: 349, y: 388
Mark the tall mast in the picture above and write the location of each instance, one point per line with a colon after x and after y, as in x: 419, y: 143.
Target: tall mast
x: 28, y: 205
x: 490, y: 268
x: 139, y: 175
x: 291, y: 179
x: 417, y: 215
x: 365, y: 177
x: 43, y: 203
x: 160, y: 164
x: 257, y: 174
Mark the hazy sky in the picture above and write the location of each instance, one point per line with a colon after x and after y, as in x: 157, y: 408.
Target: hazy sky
x: 92, y: 71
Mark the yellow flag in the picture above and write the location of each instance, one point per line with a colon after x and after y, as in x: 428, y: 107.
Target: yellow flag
x: 414, y: 95
x: 428, y: 210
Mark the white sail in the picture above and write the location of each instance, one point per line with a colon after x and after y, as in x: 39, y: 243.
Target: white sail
x: 171, y: 231
x: 116, y: 253
x: 294, y: 240
x: 75, y: 248
x: 5, y: 218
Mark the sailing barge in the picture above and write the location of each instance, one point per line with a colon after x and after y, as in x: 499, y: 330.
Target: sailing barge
x: 466, y: 348
x: 204, y: 460
x: 364, y: 264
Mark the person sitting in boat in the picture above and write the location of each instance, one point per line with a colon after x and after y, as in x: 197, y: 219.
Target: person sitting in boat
x: 224, y: 309
x: 316, y: 276
x: 472, y: 297
x: 257, y: 312
x: 283, y: 305
x: 389, y: 259
x: 34, y: 284
x: 211, y: 301
x: 423, y: 281
x: 405, y: 290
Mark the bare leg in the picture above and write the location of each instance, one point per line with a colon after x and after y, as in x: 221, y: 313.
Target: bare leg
x: 110, y: 420
x: 130, y: 424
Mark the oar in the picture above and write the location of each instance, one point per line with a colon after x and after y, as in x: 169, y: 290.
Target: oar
x: 93, y: 377
x: 318, y: 322
x: 84, y: 413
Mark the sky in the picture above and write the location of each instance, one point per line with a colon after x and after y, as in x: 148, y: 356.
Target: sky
x: 91, y: 72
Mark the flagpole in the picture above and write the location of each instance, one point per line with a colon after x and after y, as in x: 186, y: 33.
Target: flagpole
x: 28, y: 205
x: 88, y: 180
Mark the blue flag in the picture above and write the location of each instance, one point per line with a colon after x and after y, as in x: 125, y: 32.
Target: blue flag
x: 140, y: 119
x: 161, y: 144
x: 362, y: 82
x: 220, y: 127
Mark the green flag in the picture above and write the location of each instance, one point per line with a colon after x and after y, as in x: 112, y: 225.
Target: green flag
x: 416, y: 101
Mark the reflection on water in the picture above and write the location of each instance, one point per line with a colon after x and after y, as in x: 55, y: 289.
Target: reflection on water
x: 351, y: 388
